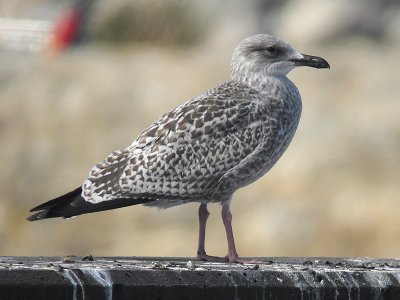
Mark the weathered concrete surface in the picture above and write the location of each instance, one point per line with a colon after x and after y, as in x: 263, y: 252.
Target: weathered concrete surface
x: 186, y: 278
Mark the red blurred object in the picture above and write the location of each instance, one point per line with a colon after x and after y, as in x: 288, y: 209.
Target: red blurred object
x: 65, y: 29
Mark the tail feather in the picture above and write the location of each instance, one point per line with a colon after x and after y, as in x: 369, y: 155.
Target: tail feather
x: 73, y: 204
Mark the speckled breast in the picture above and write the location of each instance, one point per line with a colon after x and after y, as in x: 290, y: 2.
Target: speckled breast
x: 278, y: 123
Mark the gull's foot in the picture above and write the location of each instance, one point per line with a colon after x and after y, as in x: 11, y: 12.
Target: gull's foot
x: 238, y: 260
x: 232, y: 259
x: 205, y: 257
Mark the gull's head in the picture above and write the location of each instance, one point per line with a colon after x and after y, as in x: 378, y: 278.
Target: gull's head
x: 265, y: 54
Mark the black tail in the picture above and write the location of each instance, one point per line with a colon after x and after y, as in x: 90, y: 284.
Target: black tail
x: 73, y: 204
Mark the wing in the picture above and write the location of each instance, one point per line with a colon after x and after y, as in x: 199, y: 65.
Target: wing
x: 184, y: 154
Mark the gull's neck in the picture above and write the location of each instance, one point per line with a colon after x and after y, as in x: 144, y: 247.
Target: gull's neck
x: 260, y: 79
x: 269, y: 81
x: 257, y: 75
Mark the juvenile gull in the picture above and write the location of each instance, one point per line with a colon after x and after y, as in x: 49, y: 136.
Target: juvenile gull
x: 205, y: 149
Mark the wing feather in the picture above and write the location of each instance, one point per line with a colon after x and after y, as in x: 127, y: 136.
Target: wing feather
x: 183, y: 155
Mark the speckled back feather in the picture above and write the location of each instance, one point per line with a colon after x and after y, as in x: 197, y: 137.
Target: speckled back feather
x: 184, y: 155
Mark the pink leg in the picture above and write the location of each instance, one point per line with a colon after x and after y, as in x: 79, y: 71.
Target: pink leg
x: 201, y: 252
x: 227, y: 219
x: 232, y: 256
x: 203, y: 216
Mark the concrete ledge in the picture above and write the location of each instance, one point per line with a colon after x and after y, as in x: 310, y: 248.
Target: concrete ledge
x: 186, y: 278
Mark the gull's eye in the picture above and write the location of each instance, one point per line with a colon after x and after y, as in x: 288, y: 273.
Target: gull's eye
x: 272, y: 50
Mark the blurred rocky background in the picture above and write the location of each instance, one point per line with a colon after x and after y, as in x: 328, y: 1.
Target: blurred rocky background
x: 70, y: 93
